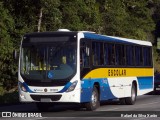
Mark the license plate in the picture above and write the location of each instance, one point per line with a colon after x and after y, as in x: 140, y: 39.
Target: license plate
x: 45, y: 100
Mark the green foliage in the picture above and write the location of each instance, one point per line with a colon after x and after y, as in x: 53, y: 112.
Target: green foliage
x: 51, y: 19
x: 130, y: 19
x: 80, y: 15
x: 114, y: 18
x: 6, y: 48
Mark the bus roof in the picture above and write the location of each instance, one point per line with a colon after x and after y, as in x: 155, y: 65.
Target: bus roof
x: 115, y: 39
x: 92, y: 35
x: 50, y: 33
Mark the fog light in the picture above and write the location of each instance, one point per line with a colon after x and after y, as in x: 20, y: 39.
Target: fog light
x: 22, y: 96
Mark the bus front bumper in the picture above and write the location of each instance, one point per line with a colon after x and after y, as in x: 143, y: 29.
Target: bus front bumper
x: 50, y: 97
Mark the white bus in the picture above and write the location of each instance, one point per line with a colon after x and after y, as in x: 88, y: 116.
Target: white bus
x: 83, y: 67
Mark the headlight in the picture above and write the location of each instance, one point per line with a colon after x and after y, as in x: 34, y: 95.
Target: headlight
x: 22, y: 87
x: 72, y: 87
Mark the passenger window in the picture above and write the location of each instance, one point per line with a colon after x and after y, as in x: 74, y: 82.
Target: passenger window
x: 84, y: 54
x: 139, y: 56
x: 97, y: 53
x: 147, y: 56
x: 130, y: 57
x: 120, y: 54
x: 111, y: 54
x: 106, y: 58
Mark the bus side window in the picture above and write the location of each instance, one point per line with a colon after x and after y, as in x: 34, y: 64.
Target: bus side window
x: 123, y: 61
x: 130, y: 55
x: 120, y: 54
x: 147, y: 56
x: 106, y: 59
x: 141, y: 56
x: 94, y: 53
x: 101, y: 54
x: 138, y: 55
x: 97, y: 53
x: 111, y: 54
x: 84, y: 54
x: 149, y: 62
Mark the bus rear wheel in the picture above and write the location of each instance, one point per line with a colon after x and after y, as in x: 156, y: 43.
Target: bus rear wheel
x: 94, y: 103
x: 131, y: 100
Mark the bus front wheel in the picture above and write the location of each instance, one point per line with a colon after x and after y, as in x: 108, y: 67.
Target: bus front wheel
x: 94, y: 103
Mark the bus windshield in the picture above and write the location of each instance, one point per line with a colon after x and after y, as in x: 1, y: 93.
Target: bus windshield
x: 52, y: 60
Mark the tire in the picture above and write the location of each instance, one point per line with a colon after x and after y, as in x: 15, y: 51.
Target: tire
x: 131, y: 100
x: 43, y: 107
x: 94, y: 102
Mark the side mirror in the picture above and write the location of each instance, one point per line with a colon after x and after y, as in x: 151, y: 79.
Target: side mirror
x: 15, y: 55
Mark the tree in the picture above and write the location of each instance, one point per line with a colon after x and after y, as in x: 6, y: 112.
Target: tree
x: 156, y: 18
x: 52, y: 16
x: 26, y: 16
x: 81, y: 15
x: 130, y: 19
x: 6, y: 48
x: 114, y: 15
x: 17, y: 18
x: 139, y: 19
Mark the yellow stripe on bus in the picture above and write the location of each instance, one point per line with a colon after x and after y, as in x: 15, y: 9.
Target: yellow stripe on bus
x: 119, y: 72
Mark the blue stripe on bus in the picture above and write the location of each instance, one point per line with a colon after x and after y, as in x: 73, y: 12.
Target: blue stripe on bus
x: 27, y: 88
x: 61, y: 91
x: 101, y: 37
x: 145, y: 82
x: 87, y: 87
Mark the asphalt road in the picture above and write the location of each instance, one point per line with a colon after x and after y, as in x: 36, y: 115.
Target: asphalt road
x: 146, y: 107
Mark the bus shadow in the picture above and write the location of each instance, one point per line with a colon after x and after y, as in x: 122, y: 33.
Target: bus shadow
x: 110, y: 103
x: 78, y: 107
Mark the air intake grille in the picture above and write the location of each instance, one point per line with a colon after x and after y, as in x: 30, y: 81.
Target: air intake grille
x: 52, y: 97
